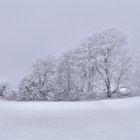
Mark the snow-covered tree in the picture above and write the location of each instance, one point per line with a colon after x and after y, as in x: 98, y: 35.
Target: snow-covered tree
x: 6, y: 92
x: 66, y: 77
x: 112, y: 63
x: 39, y: 85
x: 85, y: 68
x: 3, y: 88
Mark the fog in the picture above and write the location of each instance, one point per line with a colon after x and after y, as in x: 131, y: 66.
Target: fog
x: 35, y: 28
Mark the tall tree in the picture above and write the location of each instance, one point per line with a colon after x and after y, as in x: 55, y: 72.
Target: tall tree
x: 66, y: 75
x: 111, y: 62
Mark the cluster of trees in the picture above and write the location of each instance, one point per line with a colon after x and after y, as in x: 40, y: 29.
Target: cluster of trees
x: 100, y: 68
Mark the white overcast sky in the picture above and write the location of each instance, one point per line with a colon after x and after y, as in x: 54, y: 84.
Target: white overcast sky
x: 34, y: 28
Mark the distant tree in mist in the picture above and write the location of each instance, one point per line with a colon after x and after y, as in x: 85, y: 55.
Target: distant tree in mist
x: 3, y: 88
x: 6, y: 92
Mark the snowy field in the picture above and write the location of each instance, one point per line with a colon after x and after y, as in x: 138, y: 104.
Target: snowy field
x: 97, y: 120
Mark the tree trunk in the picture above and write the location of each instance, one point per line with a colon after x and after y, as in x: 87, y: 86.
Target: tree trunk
x: 108, y: 94
x: 108, y: 87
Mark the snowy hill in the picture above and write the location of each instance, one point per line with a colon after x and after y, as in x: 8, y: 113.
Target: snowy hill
x: 97, y: 120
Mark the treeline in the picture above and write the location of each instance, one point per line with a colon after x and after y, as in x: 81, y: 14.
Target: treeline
x: 102, y: 67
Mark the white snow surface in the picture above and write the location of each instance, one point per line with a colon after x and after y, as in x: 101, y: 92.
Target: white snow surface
x: 93, y: 120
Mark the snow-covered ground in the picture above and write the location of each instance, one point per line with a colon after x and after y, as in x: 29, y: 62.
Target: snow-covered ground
x: 97, y: 120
